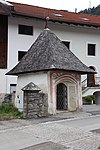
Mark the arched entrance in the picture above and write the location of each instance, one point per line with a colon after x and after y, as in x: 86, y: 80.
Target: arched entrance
x: 91, y: 78
x: 61, y: 102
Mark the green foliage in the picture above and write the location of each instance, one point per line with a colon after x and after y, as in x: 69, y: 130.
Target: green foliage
x: 8, y: 111
x: 94, y: 10
x: 89, y: 98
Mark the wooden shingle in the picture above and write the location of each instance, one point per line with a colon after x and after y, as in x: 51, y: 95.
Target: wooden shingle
x: 47, y: 53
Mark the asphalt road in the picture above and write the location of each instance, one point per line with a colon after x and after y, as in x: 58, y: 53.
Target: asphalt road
x: 67, y: 134
x: 86, y: 124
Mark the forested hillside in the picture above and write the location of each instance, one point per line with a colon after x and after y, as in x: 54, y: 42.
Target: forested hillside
x: 94, y: 10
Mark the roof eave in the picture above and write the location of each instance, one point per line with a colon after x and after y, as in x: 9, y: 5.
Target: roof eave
x: 80, y: 72
x: 56, y: 20
x: 26, y: 15
x: 77, y: 23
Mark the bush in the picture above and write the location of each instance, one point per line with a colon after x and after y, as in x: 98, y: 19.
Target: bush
x: 8, y: 111
x: 89, y: 98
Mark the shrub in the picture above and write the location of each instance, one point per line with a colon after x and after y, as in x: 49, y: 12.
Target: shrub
x: 89, y: 98
x: 8, y: 111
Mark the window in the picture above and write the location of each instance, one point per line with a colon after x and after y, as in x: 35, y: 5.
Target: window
x: 26, y: 30
x: 91, y: 49
x: 12, y: 88
x: 21, y: 54
x: 67, y: 44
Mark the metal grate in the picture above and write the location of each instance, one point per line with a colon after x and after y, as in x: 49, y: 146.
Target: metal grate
x: 61, y: 97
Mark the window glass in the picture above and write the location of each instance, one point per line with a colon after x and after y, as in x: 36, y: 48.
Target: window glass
x: 91, y: 49
x: 26, y: 30
x: 21, y: 54
x: 67, y: 44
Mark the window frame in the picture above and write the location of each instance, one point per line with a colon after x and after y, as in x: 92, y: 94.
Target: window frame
x: 25, y: 31
x: 19, y: 54
x: 67, y: 42
x: 14, y: 86
x: 96, y: 49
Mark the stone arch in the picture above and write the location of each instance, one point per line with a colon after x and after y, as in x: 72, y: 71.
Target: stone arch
x: 92, y: 67
x: 67, y: 83
x: 64, y: 78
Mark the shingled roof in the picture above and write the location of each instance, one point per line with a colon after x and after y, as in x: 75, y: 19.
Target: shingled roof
x: 61, y: 16
x: 47, y: 53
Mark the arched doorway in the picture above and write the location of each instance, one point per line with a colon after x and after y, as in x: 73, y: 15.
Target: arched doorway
x: 61, y: 103
x: 91, y: 78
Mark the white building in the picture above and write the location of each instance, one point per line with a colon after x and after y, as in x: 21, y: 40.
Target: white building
x: 21, y: 24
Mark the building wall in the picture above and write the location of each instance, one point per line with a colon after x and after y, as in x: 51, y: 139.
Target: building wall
x: 47, y: 82
x: 77, y: 35
x: 74, y: 91
x: 18, y: 42
x: 90, y: 90
x: 40, y: 79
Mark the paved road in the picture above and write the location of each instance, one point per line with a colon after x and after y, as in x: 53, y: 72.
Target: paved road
x: 87, y: 124
x: 68, y: 134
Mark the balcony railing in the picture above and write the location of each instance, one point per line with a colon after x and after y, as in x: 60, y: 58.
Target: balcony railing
x: 97, y: 82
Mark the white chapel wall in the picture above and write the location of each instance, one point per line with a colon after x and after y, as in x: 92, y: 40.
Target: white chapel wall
x: 39, y: 78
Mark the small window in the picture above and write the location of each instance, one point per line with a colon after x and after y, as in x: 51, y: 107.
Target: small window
x: 91, y: 49
x: 26, y: 30
x: 21, y: 54
x: 67, y: 44
x: 12, y: 88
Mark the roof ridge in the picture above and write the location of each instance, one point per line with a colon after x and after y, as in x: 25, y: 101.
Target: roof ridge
x: 55, y: 15
x: 64, y: 11
x: 32, y: 5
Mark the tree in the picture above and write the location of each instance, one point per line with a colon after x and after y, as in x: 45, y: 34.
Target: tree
x: 94, y: 10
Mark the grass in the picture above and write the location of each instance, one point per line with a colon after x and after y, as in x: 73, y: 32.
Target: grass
x: 8, y: 111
